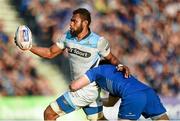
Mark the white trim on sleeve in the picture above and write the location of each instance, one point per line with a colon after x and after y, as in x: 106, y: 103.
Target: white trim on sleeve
x: 87, y: 78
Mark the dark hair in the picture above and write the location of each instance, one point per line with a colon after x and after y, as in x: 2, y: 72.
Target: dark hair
x: 84, y: 13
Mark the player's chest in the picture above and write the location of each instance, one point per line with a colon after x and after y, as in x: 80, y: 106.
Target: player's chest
x: 84, y: 49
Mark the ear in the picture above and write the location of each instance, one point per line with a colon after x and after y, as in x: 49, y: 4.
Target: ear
x: 85, y: 23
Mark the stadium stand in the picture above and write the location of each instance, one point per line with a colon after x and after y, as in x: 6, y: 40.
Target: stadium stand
x: 145, y: 33
x: 21, y: 73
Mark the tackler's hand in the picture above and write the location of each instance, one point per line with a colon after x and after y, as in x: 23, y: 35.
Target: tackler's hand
x: 124, y: 69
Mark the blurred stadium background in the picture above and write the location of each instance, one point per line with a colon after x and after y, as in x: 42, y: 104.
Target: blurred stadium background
x: 144, y: 34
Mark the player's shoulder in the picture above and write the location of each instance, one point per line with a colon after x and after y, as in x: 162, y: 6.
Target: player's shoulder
x: 96, y: 37
x: 107, y: 66
x: 93, y: 34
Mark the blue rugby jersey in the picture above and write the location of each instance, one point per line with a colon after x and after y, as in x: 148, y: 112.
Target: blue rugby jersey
x: 108, y: 78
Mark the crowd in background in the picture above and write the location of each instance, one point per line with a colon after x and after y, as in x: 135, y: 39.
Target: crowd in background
x: 18, y: 73
x: 143, y: 34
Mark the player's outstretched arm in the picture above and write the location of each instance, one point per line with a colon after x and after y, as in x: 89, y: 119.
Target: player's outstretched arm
x: 49, y: 53
x: 120, y: 67
x: 23, y: 40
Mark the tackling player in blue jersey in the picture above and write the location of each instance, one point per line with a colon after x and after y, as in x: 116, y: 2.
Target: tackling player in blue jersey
x: 137, y: 98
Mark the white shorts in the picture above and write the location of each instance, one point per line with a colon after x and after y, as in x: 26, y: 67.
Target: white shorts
x: 87, y: 98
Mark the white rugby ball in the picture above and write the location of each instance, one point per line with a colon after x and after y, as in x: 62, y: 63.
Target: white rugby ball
x: 23, y: 37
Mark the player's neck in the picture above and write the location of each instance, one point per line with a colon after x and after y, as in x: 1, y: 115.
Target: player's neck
x: 83, y: 34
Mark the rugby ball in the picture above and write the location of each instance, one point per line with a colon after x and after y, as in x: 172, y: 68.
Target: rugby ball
x: 23, y: 37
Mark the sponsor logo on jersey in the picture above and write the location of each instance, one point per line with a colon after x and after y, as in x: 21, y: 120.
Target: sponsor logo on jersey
x: 79, y: 52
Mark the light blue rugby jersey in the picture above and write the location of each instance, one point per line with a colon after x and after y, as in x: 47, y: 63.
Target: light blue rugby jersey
x: 83, y: 54
x: 113, y: 81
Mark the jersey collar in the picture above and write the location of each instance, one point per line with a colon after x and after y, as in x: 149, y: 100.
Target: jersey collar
x: 89, y: 32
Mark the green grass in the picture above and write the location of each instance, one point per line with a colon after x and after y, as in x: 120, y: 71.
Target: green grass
x: 31, y: 108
